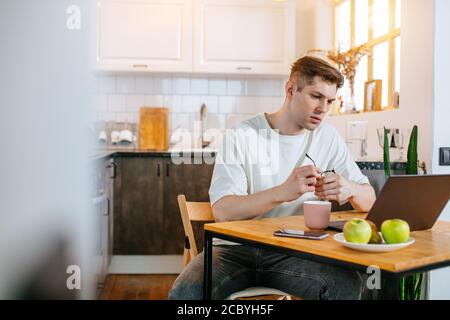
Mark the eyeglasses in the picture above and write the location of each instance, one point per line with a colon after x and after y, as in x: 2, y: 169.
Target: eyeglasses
x: 323, y: 173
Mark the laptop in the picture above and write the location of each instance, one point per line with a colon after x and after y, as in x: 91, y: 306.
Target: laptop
x: 419, y: 200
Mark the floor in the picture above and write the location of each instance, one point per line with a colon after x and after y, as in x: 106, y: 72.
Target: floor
x: 147, y: 287
x: 137, y: 287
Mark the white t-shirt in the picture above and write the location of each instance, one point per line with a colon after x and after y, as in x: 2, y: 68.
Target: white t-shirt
x: 253, y: 157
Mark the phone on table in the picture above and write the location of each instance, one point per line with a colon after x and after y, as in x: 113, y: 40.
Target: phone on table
x: 302, y: 234
x: 337, y: 225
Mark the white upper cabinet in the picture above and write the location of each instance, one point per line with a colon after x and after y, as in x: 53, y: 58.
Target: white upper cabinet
x: 200, y: 36
x: 144, y: 35
x: 244, y: 36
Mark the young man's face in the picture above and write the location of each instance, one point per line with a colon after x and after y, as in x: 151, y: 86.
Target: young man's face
x: 309, y: 106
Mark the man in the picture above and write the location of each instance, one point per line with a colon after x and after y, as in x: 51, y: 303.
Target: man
x: 252, y: 179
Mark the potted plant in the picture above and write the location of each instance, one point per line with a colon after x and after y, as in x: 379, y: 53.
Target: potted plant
x: 411, y: 287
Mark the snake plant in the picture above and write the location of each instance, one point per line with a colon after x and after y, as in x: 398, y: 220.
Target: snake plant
x: 412, y: 161
x: 410, y: 286
x: 387, y: 163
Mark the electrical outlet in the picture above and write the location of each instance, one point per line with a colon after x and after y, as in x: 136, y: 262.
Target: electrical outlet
x: 444, y: 156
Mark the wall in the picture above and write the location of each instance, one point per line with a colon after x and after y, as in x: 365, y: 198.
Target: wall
x: 304, y: 32
x: 440, y: 279
x: 314, y: 25
x: 416, y: 83
x: 229, y: 99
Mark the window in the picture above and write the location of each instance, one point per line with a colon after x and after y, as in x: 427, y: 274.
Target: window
x: 375, y: 23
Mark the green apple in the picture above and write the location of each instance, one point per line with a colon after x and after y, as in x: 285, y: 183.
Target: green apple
x: 395, y: 231
x: 357, y: 230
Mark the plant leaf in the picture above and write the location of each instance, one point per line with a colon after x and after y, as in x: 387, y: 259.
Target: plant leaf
x: 402, y: 288
x: 418, y: 289
x: 387, y: 162
x: 412, y: 161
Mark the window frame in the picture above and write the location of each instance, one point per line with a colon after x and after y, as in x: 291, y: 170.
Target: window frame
x: 389, y: 37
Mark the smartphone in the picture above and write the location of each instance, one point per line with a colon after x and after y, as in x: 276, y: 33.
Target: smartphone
x: 302, y: 234
x: 337, y: 225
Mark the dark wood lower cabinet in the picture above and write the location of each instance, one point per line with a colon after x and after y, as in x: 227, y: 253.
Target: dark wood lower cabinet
x: 138, y: 206
x: 147, y: 219
x: 193, y: 181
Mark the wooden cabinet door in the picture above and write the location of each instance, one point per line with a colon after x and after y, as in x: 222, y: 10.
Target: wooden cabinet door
x: 144, y: 35
x: 192, y: 180
x: 244, y: 36
x: 100, y: 221
x: 110, y: 176
x: 138, y: 209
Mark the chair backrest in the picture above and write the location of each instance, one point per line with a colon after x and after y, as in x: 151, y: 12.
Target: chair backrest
x: 192, y: 211
x: 202, y: 211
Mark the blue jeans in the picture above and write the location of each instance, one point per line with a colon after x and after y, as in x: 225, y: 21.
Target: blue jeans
x: 235, y: 268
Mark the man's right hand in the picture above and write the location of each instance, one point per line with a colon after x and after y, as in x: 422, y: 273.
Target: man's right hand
x: 301, y: 180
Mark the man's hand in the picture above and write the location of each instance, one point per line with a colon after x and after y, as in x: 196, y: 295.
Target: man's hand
x: 334, y: 187
x: 300, y: 181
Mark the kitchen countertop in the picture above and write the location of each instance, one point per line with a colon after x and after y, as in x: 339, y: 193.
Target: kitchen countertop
x: 366, y: 164
x: 130, y: 152
x: 98, y: 155
x: 379, y: 165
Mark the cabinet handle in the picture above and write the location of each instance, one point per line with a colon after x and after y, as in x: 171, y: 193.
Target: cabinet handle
x: 167, y: 169
x: 113, y: 165
x: 244, y: 68
x: 106, y: 213
x: 159, y: 170
x: 140, y: 65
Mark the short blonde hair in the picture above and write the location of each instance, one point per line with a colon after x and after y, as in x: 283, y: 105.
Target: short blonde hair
x: 305, y: 69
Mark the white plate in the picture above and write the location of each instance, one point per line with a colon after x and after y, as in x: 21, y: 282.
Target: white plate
x: 382, y: 247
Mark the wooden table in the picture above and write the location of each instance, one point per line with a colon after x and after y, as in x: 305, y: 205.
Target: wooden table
x: 430, y: 251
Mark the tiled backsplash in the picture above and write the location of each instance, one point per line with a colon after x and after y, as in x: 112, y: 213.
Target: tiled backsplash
x: 118, y: 97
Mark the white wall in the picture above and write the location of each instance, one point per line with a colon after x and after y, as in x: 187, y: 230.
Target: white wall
x: 323, y: 24
x: 304, y: 26
x: 416, y: 82
x: 314, y: 25
x: 229, y: 99
x: 440, y: 279
x: 441, y: 116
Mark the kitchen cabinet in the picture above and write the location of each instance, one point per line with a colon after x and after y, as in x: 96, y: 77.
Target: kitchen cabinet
x: 138, y: 206
x: 192, y: 180
x: 108, y: 218
x: 244, y: 36
x: 143, y: 35
x: 195, y: 36
x: 102, y: 204
x: 147, y: 217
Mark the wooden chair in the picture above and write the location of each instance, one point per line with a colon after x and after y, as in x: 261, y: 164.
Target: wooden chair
x: 202, y: 212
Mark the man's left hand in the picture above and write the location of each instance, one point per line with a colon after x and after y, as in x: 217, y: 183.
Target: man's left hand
x: 334, y: 187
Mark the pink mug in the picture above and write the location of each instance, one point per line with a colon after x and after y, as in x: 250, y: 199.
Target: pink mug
x: 317, y: 214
